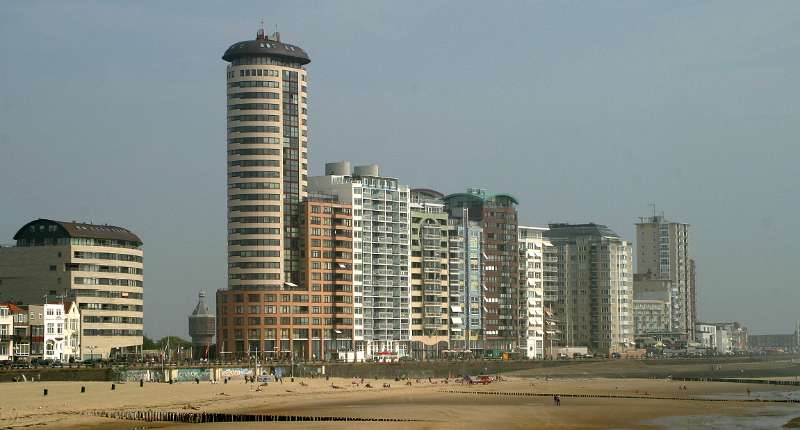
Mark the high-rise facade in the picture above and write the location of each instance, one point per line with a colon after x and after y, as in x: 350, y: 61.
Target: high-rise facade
x: 381, y: 255
x: 327, y: 249
x: 662, y: 250
x: 267, y: 143
x: 465, y: 269
x: 430, y: 287
x: 501, y: 273
x: 499, y: 300
x: 531, y: 291
x: 593, y: 301
x: 99, y: 267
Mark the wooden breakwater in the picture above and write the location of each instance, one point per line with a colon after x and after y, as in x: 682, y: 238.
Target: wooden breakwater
x: 214, y: 417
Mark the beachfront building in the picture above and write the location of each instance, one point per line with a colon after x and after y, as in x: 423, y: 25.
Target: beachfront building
x: 22, y: 330
x: 313, y: 318
x: 62, y: 335
x: 652, y: 306
x: 464, y: 263
x: 432, y: 312
x: 550, y: 264
x: 99, y: 267
x: 381, y: 255
x: 36, y: 328
x: 327, y: 249
x: 531, y: 291
x: 499, y: 252
x: 6, y: 334
x: 651, y: 317
x: 706, y: 335
x: 267, y: 142
x: 662, y: 249
x: 724, y: 338
x: 594, y: 294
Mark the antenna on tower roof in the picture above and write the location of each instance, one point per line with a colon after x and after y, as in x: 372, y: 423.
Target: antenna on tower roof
x: 260, y: 35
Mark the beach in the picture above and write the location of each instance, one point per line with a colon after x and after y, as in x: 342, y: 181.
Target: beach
x: 515, y: 403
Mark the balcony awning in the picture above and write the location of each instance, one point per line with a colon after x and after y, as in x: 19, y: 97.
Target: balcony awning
x: 456, y: 320
x: 455, y: 308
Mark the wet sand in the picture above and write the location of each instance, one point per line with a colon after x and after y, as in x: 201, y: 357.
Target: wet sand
x: 23, y: 404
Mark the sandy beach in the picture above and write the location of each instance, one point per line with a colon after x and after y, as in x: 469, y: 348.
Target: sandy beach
x: 24, y: 405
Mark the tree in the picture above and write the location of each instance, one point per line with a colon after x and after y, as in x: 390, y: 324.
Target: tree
x: 174, y: 342
x: 148, y: 343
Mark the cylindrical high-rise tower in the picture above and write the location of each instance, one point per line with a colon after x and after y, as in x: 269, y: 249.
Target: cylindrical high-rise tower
x: 267, y: 174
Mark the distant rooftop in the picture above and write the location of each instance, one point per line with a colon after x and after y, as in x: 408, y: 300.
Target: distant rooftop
x: 588, y: 229
x: 51, y: 228
x: 267, y: 46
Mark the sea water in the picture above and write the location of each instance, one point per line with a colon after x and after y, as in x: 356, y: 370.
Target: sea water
x: 763, y: 419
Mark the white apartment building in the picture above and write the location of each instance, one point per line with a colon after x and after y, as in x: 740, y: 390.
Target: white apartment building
x: 6, y: 334
x: 715, y: 337
x: 62, y: 339
x: 381, y: 255
x: 531, y: 310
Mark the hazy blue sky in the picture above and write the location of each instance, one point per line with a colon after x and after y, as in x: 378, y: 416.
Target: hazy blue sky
x: 114, y: 112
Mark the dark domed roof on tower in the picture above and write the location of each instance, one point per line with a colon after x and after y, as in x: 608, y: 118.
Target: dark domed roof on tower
x: 201, y: 309
x: 267, y: 46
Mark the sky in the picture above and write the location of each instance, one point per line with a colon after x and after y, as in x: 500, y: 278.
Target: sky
x: 114, y: 112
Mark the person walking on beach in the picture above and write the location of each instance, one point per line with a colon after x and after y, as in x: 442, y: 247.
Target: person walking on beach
x: 557, y: 400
